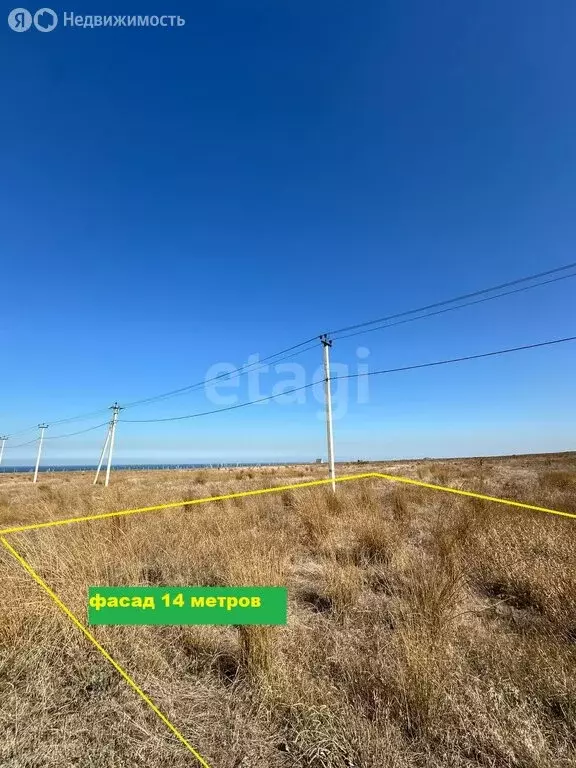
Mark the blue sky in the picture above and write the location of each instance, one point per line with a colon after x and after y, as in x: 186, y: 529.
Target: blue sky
x: 178, y: 198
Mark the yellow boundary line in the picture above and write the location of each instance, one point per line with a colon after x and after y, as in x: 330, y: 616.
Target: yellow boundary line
x: 482, y: 496
x: 173, y: 504
x: 135, y: 687
x: 275, y: 489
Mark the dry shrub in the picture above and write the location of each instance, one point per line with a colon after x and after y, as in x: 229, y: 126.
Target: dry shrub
x: 377, y: 538
x: 335, y: 501
x: 289, y: 501
x: 239, y: 502
x: 118, y: 526
x: 258, y: 652
x: 315, y: 519
x: 455, y: 525
x: 399, y: 506
x: 253, y: 562
x: 201, y: 477
x: 422, y: 471
x: 343, y: 586
x: 425, y: 622
x: 441, y: 476
x: 558, y: 480
x: 528, y: 567
x: 431, y: 596
x: 375, y: 543
x: 4, y: 505
x: 366, y: 499
x: 215, y: 492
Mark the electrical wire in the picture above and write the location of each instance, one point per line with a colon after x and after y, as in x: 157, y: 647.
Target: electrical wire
x: 58, y: 437
x: 249, y: 367
x: 448, y: 309
x: 81, y: 417
x: 457, y: 359
x: 241, y: 371
x: 353, y: 376
x: 220, y: 410
x: 509, y: 284
x: 337, y: 334
x: 20, y: 445
x: 80, y: 432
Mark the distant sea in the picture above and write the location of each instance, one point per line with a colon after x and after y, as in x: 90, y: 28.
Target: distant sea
x: 116, y: 467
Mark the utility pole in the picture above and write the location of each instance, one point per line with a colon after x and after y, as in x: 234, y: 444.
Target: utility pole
x: 102, y: 454
x: 41, y: 427
x: 2, y: 444
x: 115, y: 411
x: 326, y: 344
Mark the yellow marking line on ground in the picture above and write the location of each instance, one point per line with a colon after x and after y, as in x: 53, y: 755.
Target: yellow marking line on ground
x: 261, y: 491
x: 445, y: 488
x: 310, y: 484
x: 172, y: 504
x: 135, y: 687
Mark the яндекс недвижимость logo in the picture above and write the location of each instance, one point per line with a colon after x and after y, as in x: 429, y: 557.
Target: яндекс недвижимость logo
x: 45, y: 20
x: 20, y: 20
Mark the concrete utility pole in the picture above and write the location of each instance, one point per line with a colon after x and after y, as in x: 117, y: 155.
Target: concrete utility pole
x: 2, y: 444
x: 115, y: 411
x: 102, y: 455
x: 108, y: 445
x: 326, y: 344
x: 41, y: 427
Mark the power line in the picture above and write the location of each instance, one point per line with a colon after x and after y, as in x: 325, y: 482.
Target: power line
x: 21, y: 445
x: 336, y: 334
x: 80, y: 432
x: 340, y: 333
x: 220, y: 410
x: 81, y: 417
x: 354, y: 376
x: 453, y: 300
x: 59, y: 437
x: 458, y: 359
x: 239, y: 372
x: 449, y: 309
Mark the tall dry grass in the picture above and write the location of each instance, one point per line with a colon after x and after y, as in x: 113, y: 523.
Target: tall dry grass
x: 425, y: 629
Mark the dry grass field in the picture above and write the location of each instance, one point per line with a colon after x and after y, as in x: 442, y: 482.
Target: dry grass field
x: 425, y: 629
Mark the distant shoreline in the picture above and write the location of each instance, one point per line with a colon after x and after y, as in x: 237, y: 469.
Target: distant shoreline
x: 24, y: 468
x: 28, y: 468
